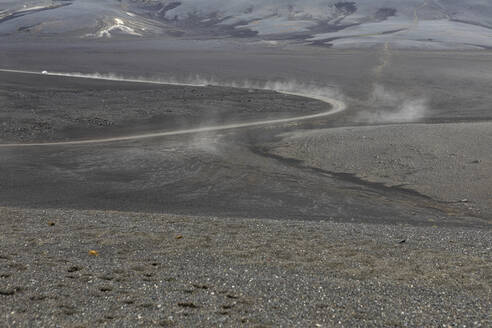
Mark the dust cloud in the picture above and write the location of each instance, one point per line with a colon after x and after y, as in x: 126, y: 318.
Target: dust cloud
x: 389, y: 106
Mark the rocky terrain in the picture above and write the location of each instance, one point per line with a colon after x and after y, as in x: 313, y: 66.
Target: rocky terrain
x: 90, y: 268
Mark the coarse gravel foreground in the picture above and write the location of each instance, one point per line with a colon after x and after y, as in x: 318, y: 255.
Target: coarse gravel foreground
x: 67, y: 268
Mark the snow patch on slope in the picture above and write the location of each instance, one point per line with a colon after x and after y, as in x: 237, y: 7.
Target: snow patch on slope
x: 118, y: 25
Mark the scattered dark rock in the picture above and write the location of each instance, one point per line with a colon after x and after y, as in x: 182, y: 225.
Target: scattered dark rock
x: 18, y: 266
x: 67, y: 309
x: 198, y: 286
x: 38, y: 297
x: 166, y: 323
x: 74, y: 268
x: 187, y: 305
x: 99, y: 122
x: 146, y: 305
x: 7, y: 292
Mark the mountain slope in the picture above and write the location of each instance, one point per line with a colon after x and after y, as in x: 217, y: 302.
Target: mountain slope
x: 407, y: 24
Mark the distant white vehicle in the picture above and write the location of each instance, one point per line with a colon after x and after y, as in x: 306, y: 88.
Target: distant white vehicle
x: 44, y: 72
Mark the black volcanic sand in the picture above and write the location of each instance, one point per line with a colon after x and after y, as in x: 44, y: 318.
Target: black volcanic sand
x: 53, y: 108
x: 205, y: 175
x: 230, y: 173
x: 151, y: 270
x: 455, y: 83
x: 343, y: 248
x: 226, y: 175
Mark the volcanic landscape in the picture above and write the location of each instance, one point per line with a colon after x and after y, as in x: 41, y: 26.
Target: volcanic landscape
x: 166, y: 164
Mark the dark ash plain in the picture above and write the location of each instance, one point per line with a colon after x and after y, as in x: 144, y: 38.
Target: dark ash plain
x: 319, y: 236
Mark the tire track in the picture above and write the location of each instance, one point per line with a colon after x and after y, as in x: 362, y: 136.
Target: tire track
x: 337, y: 106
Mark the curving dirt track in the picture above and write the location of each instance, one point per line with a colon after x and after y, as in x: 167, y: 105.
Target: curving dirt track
x: 337, y: 106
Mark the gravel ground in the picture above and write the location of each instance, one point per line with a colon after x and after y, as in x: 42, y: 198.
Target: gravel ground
x: 92, y: 268
x: 447, y: 162
x: 87, y: 268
